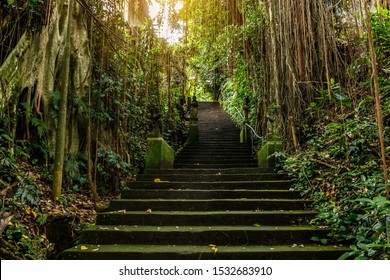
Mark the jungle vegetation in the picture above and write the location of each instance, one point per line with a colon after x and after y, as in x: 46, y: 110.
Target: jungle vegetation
x: 81, y: 83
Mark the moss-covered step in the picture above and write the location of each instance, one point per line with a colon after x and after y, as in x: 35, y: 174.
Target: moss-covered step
x: 208, y: 204
x: 212, y: 171
x: 189, y: 252
x: 217, y: 177
x: 214, y: 165
x: 219, y: 161
x: 216, y: 157
x: 228, y: 185
x: 203, y: 147
x: 199, y: 235
x: 217, y: 149
x: 208, y: 194
x: 207, y: 218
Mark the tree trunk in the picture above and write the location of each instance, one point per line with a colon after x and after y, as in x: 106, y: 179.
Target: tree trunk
x: 61, y: 130
x: 377, y: 100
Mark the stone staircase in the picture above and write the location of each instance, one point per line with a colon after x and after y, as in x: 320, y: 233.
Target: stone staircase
x: 215, y: 204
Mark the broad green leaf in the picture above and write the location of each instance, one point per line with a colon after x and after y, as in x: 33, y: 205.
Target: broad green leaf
x: 315, y: 238
x: 345, y: 256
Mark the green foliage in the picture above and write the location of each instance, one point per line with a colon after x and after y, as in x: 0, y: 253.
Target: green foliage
x: 65, y: 200
x: 30, y: 247
x: 340, y: 170
x: 28, y: 193
x: 29, y: 12
x: 9, y: 152
x: 111, y: 169
x: 381, y: 28
x: 76, y: 172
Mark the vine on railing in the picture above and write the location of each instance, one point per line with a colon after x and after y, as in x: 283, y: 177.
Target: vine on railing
x: 252, y: 130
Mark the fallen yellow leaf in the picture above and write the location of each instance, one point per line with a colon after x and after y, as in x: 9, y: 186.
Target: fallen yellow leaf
x: 28, y: 211
x: 83, y: 248
x: 10, y: 223
x: 158, y: 180
x: 149, y: 211
x: 35, y: 215
x: 214, y: 249
x: 24, y: 236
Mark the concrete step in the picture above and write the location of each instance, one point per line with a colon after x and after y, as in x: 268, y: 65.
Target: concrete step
x: 220, y: 136
x: 214, y: 165
x: 209, y: 194
x: 227, y: 171
x: 218, y: 146
x: 246, y: 204
x: 226, y: 142
x: 220, y: 159
x: 217, y: 161
x: 244, y: 155
x: 206, y: 218
x: 191, y: 252
x: 215, y: 154
x: 199, y: 146
x: 223, y: 151
x: 217, y: 177
x: 228, y: 185
x: 215, y: 158
x: 202, y: 235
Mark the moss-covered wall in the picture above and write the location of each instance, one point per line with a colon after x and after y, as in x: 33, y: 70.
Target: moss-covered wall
x: 35, y: 66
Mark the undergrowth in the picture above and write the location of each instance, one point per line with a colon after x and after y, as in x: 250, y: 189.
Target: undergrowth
x: 340, y: 170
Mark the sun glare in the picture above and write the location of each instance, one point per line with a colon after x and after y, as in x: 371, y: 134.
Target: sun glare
x: 164, y: 30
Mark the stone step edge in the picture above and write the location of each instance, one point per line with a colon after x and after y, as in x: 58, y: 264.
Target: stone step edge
x: 185, y: 249
x: 193, y: 229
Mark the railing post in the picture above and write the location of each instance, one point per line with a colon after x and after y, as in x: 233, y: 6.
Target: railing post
x: 266, y: 158
x: 193, y: 134
x: 245, y: 135
x: 159, y: 155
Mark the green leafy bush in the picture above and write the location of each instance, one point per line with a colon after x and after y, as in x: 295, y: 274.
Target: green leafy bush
x: 340, y: 171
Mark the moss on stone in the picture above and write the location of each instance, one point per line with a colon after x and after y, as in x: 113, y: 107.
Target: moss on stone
x: 193, y: 134
x: 265, y: 155
x: 159, y: 154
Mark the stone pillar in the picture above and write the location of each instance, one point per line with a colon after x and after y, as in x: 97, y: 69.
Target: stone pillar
x: 193, y: 134
x: 159, y: 154
x: 265, y: 157
x: 266, y: 160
